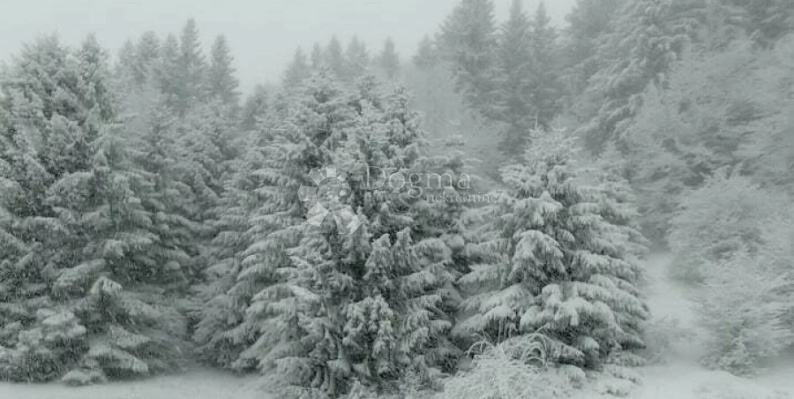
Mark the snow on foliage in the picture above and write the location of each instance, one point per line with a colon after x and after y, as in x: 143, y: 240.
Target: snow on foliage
x: 564, y: 269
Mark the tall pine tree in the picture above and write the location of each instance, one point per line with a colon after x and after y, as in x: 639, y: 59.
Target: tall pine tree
x: 221, y: 83
x: 388, y: 60
x: 513, y: 103
x: 467, y: 41
x: 297, y: 71
x: 191, y: 68
x: 357, y: 58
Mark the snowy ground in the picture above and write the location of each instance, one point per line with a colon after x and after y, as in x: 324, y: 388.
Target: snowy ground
x: 193, y: 384
x: 681, y: 377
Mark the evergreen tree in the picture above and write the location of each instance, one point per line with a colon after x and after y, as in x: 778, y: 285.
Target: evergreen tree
x: 366, y: 290
x: 154, y: 152
x: 357, y: 58
x: 168, y: 73
x: 124, y: 70
x: 467, y: 40
x: 258, y: 205
x: 650, y: 36
x: 318, y: 299
x: 334, y: 59
x: 297, y: 71
x: 588, y: 21
x: 95, y: 88
x: 426, y: 55
x: 23, y: 182
x: 237, y: 323
x: 560, y: 265
x: 513, y: 103
x: 317, y: 56
x: 255, y: 107
x: 96, y: 239
x: 546, y: 90
x: 388, y: 60
x: 114, y: 254
x: 147, y: 53
x: 191, y: 68
x: 53, y: 89
x: 206, y: 145
x: 221, y: 83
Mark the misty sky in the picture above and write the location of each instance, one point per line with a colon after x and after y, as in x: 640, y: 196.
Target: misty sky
x: 263, y: 34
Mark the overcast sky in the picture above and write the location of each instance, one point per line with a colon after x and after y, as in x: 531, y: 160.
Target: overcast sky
x: 263, y: 34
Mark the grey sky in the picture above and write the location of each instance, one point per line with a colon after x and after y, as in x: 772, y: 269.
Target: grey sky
x: 263, y: 34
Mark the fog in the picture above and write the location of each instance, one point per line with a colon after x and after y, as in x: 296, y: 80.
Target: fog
x: 263, y: 34
x: 434, y: 199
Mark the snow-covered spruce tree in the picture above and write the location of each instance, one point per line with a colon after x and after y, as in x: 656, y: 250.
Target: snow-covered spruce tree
x: 467, y: 41
x: 202, y: 101
x: 96, y: 240
x: 191, y: 67
x: 221, y: 83
x: 109, y: 271
x: 147, y: 53
x: 258, y: 206
x: 561, y: 265
x: 150, y: 136
x: 607, y: 173
x: 113, y: 263
x: 254, y: 108
x: 206, y: 148
x: 41, y: 99
x: 546, y: 86
x: 137, y: 61
x: 426, y: 54
x: 389, y: 60
x: 297, y: 71
x: 588, y: 21
x: 259, y: 212
x: 359, y: 298
x: 23, y: 181
x: 512, y: 103
x: 334, y: 59
x: 166, y: 70
x: 649, y: 35
x: 356, y: 58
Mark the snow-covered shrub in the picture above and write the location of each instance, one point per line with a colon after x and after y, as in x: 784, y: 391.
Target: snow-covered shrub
x: 513, y: 369
x: 728, y: 215
x: 735, y: 238
x: 726, y: 108
x: 742, y: 305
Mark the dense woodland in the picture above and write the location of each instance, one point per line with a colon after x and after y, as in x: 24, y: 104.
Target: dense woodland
x: 152, y: 218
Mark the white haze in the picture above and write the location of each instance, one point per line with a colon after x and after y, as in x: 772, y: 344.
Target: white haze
x: 263, y: 34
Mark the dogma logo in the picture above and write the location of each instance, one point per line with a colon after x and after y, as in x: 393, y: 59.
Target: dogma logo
x: 326, y: 201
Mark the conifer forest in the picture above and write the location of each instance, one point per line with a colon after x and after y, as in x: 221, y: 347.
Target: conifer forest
x: 513, y: 204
